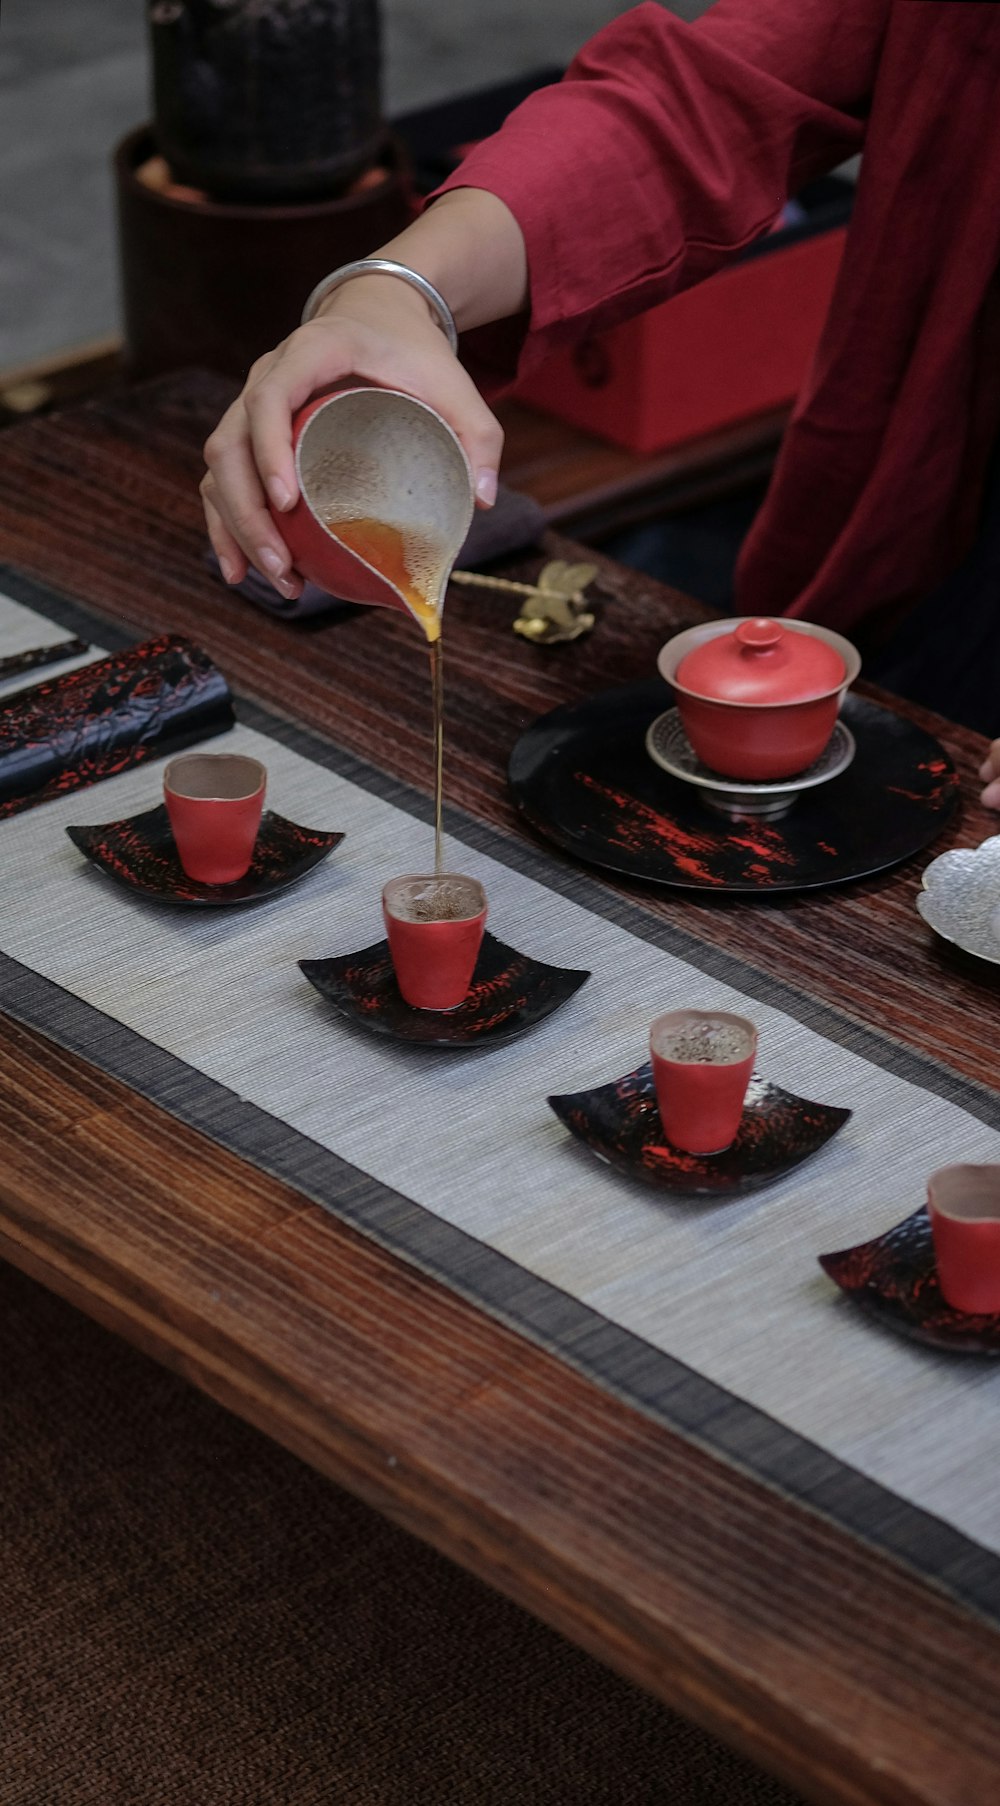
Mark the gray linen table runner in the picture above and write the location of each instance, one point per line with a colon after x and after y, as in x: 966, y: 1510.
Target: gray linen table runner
x: 713, y: 1316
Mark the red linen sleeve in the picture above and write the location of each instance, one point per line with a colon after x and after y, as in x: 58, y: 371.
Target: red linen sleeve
x: 668, y: 147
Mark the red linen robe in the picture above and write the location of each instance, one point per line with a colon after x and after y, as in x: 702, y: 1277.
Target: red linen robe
x: 670, y: 146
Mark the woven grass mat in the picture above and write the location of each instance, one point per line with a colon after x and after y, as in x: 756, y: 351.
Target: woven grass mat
x: 191, y: 1617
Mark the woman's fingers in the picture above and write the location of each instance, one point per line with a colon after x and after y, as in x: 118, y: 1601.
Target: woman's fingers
x: 333, y: 347
x: 277, y: 388
x: 427, y: 369
x: 232, y: 560
x: 480, y: 432
x: 989, y: 771
x: 385, y: 337
x: 234, y: 492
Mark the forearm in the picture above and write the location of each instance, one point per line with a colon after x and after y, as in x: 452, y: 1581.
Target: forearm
x: 669, y: 147
x: 469, y: 245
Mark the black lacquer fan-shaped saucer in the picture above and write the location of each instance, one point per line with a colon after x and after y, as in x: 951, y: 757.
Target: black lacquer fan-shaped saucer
x: 620, y: 1123
x: 139, y: 852
x: 894, y: 1278
x: 509, y: 993
x: 583, y: 777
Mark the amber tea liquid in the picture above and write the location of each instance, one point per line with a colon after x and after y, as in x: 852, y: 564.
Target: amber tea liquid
x: 387, y: 551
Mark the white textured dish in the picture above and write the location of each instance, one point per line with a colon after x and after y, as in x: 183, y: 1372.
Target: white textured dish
x: 669, y: 747
x: 961, y: 898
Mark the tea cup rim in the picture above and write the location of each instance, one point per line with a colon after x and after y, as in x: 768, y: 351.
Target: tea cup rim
x: 435, y: 878
x: 218, y: 759
x: 958, y: 1175
x: 688, y: 1013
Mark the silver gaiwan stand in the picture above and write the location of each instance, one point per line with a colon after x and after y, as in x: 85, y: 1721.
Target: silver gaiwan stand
x: 669, y: 747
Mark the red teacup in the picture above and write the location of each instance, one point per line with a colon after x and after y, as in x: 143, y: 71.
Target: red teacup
x: 435, y: 927
x: 215, y: 802
x: 702, y: 1063
x: 963, y: 1203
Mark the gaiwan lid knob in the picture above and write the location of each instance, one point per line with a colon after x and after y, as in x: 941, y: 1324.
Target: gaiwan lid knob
x: 761, y: 661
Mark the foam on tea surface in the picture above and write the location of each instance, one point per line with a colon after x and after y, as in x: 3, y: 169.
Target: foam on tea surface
x: 704, y: 1043
x: 451, y: 898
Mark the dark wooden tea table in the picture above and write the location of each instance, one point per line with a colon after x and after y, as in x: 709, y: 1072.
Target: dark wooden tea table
x: 832, y: 1665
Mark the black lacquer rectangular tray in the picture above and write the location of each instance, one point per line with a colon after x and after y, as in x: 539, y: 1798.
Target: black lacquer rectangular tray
x: 140, y: 703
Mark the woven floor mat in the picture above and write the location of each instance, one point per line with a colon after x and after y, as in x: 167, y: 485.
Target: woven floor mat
x: 191, y: 1617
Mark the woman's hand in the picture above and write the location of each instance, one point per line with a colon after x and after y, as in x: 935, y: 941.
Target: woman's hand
x: 380, y: 329
x: 989, y: 771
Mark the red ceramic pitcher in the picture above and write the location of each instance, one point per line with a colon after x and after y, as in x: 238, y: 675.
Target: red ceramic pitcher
x: 385, y: 500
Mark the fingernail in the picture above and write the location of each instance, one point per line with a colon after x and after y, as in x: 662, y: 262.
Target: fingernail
x: 986, y: 769
x: 286, y: 588
x: 486, y: 487
x: 273, y: 565
x: 228, y: 570
x: 278, y: 493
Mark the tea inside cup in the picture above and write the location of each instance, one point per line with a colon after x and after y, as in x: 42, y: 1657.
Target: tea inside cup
x: 385, y: 500
x: 215, y: 802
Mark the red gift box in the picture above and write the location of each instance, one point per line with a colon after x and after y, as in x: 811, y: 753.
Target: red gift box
x: 737, y: 345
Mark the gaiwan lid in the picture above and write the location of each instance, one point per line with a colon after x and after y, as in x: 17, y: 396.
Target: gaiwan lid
x: 761, y: 661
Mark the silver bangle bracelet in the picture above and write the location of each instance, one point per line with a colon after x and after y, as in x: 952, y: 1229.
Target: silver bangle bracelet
x: 383, y: 266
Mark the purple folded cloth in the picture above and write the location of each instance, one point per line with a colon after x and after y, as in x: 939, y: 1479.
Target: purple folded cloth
x: 515, y: 521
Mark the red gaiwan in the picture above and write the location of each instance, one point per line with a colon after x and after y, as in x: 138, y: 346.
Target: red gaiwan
x: 759, y: 698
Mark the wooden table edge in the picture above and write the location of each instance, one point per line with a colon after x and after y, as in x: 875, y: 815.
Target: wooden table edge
x: 654, y: 1638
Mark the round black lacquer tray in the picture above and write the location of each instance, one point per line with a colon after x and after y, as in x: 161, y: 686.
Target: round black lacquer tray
x: 583, y: 777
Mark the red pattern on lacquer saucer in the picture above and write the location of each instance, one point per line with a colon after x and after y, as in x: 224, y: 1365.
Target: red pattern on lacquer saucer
x: 620, y: 1123
x: 509, y: 993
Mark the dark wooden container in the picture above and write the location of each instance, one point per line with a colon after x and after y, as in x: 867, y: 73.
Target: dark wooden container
x: 218, y: 283
x: 261, y: 100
